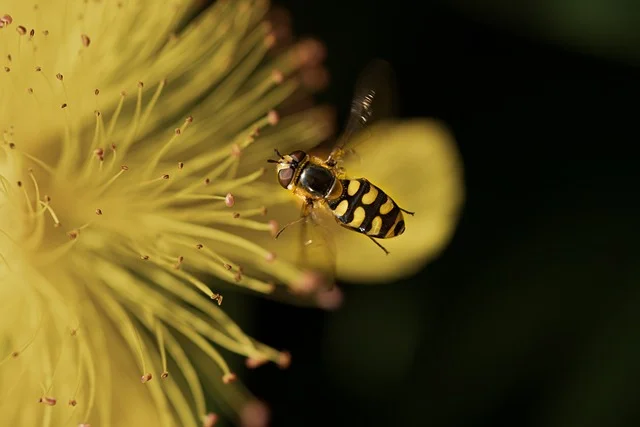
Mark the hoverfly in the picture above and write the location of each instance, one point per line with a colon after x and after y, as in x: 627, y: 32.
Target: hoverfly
x: 356, y: 203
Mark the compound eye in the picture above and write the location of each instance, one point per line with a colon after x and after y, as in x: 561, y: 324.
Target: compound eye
x: 285, y: 176
x: 298, y: 155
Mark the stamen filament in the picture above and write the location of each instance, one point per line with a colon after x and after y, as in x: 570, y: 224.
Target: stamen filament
x: 155, y: 159
x: 114, y: 118
x: 152, y: 103
x: 35, y: 184
x: 48, y: 207
x: 161, y: 345
x: 106, y: 185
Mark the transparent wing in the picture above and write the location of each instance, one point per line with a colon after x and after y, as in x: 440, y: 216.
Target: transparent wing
x: 311, y: 239
x: 317, y: 247
x: 373, y: 100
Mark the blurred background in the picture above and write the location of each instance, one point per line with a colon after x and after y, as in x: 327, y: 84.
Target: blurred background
x: 531, y: 316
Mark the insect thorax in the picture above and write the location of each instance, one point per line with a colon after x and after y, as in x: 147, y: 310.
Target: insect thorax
x: 317, y: 180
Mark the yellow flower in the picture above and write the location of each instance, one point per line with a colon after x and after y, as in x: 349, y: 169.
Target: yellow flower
x: 130, y: 163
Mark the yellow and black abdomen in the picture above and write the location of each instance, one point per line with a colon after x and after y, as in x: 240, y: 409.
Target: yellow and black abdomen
x: 365, y: 208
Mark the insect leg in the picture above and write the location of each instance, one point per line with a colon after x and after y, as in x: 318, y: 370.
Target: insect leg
x: 303, y: 216
x: 379, y: 245
x: 339, y: 153
x: 406, y: 211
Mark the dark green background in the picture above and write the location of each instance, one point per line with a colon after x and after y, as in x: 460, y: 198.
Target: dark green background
x: 531, y: 317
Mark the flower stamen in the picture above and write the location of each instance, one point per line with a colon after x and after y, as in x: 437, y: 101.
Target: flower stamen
x: 163, y: 150
x: 116, y: 115
x: 106, y: 185
x: 45, y: 204
x: 152, y: 102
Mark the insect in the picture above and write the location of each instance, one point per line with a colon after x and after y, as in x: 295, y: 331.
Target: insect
x: 356, y: 203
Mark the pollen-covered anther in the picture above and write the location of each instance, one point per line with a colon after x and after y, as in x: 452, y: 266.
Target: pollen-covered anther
x: 165, y: 176
x: 50, y: 401
x: 309, y: 282
x: 229, y: 378
x: 86, y: 41
x: 15, y: 354
x: 21, y: 30
x: 32, y: 33
x: 99, y: 152
x: 311, y: 53
x: 65, y: 105
x: 98, y: 211
x: 180, y: 165
x: 140, y: 85
x: 178, y: 131
x: 199, y: 246
x: 217, y: 298
x: 7, y: 69
x: 238, y: 276
x: 271, y: 256
x: 6, y: 20
x: 164, y: 374
x: 73, y: 234
x: 254, y: 414
x: 331, y: 299
x: 255, y: 362
x: 97, y: 113
x: 73, y: 332
x: 273, y: 117
x: 124, y: 167
x: 72, y: 402
x: 144, y: 257
x: 207, y: 181
x: 284, y: 359
x: 210, y: 420
x: 96, y: 92
x: 59, y: 77
x: 146, y: 378
x: 30, y: 90
x: 273, y: 227
x: 229, y: 200
x: 227, y: 267
x: 263, y: 211
x: 236, y: 215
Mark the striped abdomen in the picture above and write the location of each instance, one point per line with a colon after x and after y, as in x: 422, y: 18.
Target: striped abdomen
x: 365, y: 208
